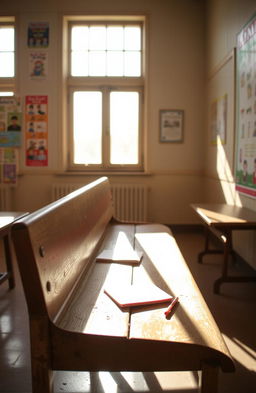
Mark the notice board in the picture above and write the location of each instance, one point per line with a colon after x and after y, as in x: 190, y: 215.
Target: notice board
x: 245, y: 170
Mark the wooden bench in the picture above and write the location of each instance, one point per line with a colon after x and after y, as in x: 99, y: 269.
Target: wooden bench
x: 75, y: 326
x: 6, y: 220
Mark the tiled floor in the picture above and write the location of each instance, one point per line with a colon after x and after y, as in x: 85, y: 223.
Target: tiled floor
x: 234, y: 311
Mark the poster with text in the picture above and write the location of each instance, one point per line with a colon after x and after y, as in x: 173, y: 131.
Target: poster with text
x: 38, y: 35
x: 38, y: 65
x: 36, y: 124
x: 8, y: 165
x: 246, y: 110
x: 10, y: 122
x: 218, y: 120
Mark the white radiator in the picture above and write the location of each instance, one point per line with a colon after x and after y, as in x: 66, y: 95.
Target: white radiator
x: 59, y: 190
x: 5, y: 198
x: 129, y: 200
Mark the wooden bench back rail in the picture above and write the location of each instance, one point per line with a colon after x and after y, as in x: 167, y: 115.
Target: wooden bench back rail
x: 58, y: 243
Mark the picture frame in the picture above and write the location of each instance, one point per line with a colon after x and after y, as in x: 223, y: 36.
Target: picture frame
x: 171, y: 125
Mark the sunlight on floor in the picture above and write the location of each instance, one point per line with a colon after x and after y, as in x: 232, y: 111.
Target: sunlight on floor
x: 117, y: 382
x: 241, y: 353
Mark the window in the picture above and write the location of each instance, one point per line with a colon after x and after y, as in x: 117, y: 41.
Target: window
x: 106, y: 86
x: 7, y: 56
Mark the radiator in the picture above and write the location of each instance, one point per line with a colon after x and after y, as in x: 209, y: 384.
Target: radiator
x: 5, y: 198
x: 59, y: 190
x: 129, y: 200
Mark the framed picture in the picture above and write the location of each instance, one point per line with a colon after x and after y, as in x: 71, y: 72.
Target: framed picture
x: 171, y: 125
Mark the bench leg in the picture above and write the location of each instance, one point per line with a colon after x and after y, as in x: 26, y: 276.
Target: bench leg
x: 42, y: 373
x: 209, y: 381
x: 8, y: 260
x: 42, y: 380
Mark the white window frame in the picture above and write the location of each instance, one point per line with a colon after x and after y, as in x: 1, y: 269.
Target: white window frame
x: 106, y: 85
x: 7, y: 84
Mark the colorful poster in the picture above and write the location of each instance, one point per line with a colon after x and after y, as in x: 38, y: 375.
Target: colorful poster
x: 10, y: 122
x: 8, y: 165
x: 36, y: 120
x: 246, y: 110
x: 38, y: 65
x: 38, y: 35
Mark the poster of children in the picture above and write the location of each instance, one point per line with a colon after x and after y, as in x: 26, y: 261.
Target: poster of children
x: 8, y: 165
x: 36, y: 140
x: 38, y: 35
x: 38, y: 65
x: 10, y: 122
x: 246, y: 110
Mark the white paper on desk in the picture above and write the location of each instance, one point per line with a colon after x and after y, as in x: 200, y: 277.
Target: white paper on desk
x: 119, y: 256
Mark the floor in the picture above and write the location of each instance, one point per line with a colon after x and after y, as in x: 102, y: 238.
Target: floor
x: 234, y: 311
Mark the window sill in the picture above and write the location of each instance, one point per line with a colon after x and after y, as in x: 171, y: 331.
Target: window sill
x: 103, y: 173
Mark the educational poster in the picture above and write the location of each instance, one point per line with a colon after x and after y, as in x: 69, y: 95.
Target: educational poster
x: 218, y: 119
x: 36, y: 123
x: 246, y: 110
x: 171, y: 125
x: 38, y: 65
x: 8, y: 165
x: 10, y: 122
x: 38, y: 35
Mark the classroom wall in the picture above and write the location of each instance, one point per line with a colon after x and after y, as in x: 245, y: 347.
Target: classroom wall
x: 176, y: 79
x: 190, y: 58
x: 225, y: 18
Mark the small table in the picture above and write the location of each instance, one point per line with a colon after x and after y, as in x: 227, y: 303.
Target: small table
x: 221, y: 220
x: 6, y: 221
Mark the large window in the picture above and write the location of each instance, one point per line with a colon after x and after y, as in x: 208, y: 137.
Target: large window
x: 7, y: 56
x: 106, y: 86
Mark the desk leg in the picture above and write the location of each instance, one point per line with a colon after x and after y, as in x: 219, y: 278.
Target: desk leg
x: 207, y: 249
x: 8, y: 260
x: 209, y: 380
x: 228, y: 249
x: 206, y: 246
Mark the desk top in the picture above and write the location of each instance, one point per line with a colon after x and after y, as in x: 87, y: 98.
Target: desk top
x: 223, y: 216
x: 7, y: 218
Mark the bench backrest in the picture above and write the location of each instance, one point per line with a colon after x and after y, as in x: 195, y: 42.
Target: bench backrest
x: 56, y: 245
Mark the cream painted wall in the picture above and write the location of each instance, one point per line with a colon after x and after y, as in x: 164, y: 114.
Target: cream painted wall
x: 176, y: 60
x: 225, y: 18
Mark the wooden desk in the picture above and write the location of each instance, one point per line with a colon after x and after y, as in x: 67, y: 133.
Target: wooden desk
x: 221, y: 220
x: 6, y: 221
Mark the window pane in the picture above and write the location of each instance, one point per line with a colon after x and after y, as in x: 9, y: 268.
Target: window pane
x: 87, y: 127
x: 132, y: 65
x: 79, y: 64
x: 115, y: 64
x: 7, y: 39
x: 115, y: 38
x: 124, y: 127
x: 80, y: 38
x: 97, y: 63
x: 6, y: 64
x: 104, y: 45
x: 7, y: 52
x: 132, y: 38
x: 6, y: 93
x: 97, y: 38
